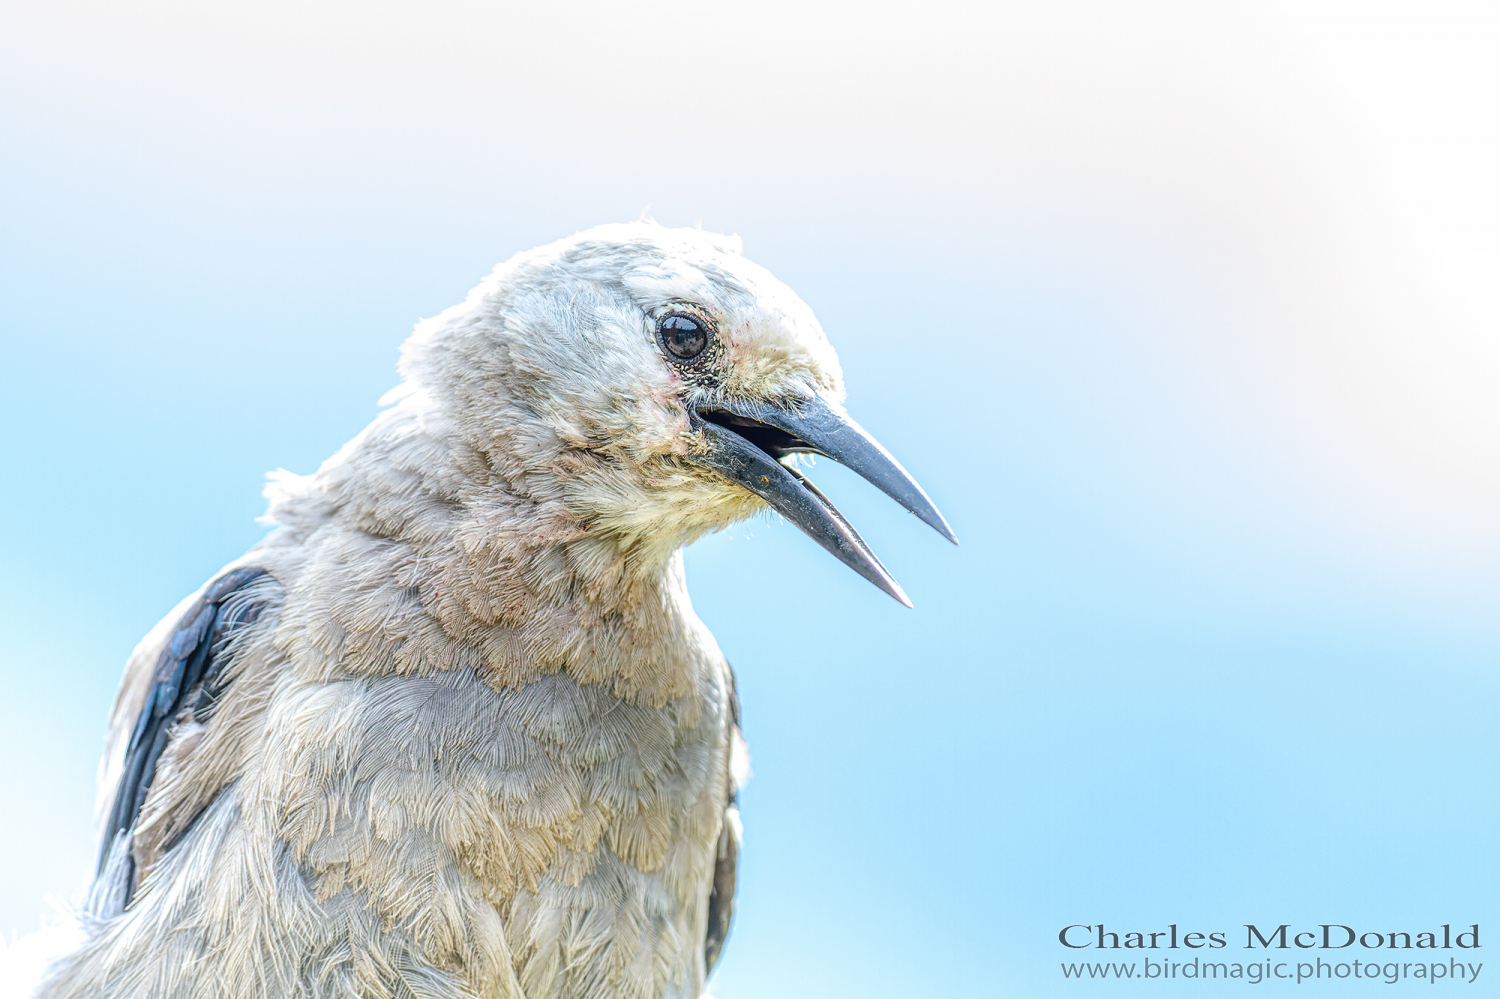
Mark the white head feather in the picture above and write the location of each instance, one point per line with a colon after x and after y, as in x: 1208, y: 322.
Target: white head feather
x: 555, y: 353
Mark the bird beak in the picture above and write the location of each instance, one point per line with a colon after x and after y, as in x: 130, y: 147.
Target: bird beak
x: 745, y: 442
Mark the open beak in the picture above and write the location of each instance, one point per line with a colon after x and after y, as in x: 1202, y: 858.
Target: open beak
x: 745, y: 442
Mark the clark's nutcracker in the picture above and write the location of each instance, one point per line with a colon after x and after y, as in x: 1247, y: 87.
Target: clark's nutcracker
x: 452, y: 728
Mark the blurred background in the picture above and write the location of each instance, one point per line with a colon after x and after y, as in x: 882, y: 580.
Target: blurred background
x: 1187, y: 315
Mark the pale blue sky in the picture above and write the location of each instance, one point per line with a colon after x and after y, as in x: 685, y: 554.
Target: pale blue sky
x: 1188, y: 325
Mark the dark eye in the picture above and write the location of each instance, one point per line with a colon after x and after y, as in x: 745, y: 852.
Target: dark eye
x: 683, y: 335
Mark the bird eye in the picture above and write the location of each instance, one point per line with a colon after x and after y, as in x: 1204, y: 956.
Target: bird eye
x: 683, y: 335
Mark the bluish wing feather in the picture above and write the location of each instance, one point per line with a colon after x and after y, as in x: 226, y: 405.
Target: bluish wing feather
x: 185, y: 677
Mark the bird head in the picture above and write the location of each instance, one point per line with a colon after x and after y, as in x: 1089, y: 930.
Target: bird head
x: 656, y: 385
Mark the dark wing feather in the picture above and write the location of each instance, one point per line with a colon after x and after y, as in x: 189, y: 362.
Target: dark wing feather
x: 185, y: 676
x: 721, y: 899
x: 726, y: 867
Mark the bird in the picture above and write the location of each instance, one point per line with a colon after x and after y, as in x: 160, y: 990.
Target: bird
x: 452, y: 728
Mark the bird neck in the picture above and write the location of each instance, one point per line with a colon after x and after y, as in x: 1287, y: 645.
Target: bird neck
x: 497, y: 556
